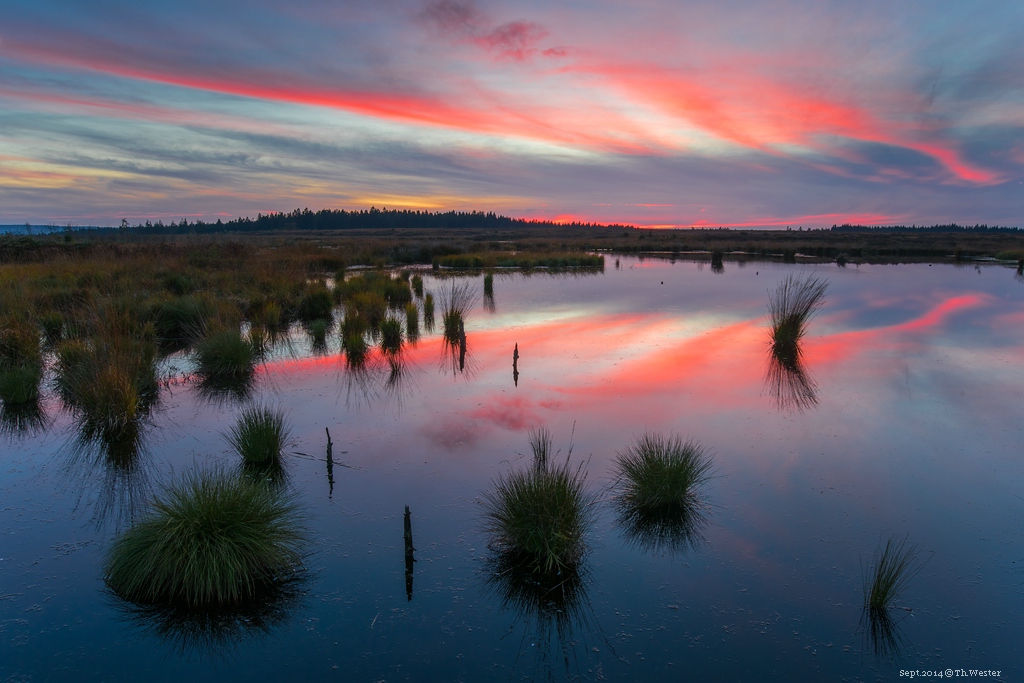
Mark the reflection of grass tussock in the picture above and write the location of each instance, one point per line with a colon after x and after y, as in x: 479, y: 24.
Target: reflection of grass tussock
x: 540, y: 516
x: 259, y: 435
x: 211, y: 631
x: 551, y: 598
x: 790, y: 307
x: 891, y: 569
x: 658, y: 491
x: 211, y: 539
x: 789, y: 383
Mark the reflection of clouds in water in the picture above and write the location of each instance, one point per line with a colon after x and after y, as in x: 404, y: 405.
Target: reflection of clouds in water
x: 513, y: 413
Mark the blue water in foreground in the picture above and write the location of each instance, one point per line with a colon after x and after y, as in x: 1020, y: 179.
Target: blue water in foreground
x: 906, y: 423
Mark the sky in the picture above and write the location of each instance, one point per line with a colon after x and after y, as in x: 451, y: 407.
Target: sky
x: 668, y: 113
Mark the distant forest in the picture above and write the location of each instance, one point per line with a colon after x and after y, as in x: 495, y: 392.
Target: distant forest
x: 305, y: 220
x: 949, y: 227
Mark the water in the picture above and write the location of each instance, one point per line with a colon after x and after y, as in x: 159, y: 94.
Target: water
x: 907, y: 424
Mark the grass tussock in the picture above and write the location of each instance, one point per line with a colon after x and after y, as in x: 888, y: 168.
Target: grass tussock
x: 457, y: 302
x: 658, y: 491
x: 211, y: 539
x: 316, y: 304
x: 540, y: 516
x: 428, y: 312
x: 790, y: 308
x: 412, y: 321
x: 226, y: 355
x: 259, y: 435
x: 110, y: 380
x: 891, y: 570
x: 391, y: 335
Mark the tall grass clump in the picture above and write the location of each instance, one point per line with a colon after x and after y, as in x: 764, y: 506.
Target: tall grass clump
x: 457, y: 302
x: 316, y: 304
x: 259, y: 435
x: 211, y: 539
x: 891, y: 570
x: 417, y: 286
x: 182, y: 320
x: 489, y: 285
x: 790, y: 307
x: 412, y: 321
x: 428, y: 312
x: 109, y: 380
x: 225, y: 355
x: 391, y: 335
x: 539, y: 518
x: 658, y: 491
x: 21, y: 363
x: 317, y: 331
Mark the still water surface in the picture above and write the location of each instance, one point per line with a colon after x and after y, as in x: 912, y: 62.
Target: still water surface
x: 907, y: 423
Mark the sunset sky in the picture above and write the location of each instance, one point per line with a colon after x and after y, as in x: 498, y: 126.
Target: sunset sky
x: 651, y: 112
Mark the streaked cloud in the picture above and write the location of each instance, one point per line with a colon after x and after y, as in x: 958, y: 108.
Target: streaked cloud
x: 657, y: 113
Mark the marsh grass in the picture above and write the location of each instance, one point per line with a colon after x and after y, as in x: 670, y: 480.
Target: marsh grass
x: 540, y: 517
x: 110, y: 382
x: 428, y: 312
x: 417, y: 286
x: 182, y: 320
x: 225, y: 355
x: 412, y: 321
x: 790, y: 307
x: 316, y: 304
x: 259, y: 435
x: 456, y: 303
x: 19, y: 384
x: 317, y: 331
x: 210, y: 540
x: 22, y: 419
x: 658, y: 491
x: 892, y: 568
x: 391, y: 335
